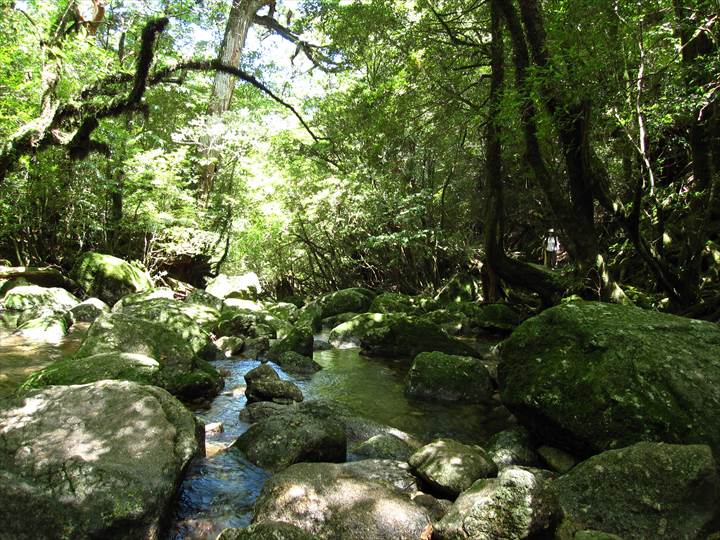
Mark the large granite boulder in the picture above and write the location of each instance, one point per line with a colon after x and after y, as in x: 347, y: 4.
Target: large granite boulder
x: 588, y: 377
x: 444, y: 377
x: 108, y: 277
x: 514, y: 506
x: 401, y: 336
x: 352, y: 501
x: 645, y: 491
x: 290, y: 436
x: 246, y: 286
x: 34, y: 297
x: 182, y: 372
x: 101, y: 460
x: 355, y: 299
x: 449, y: 467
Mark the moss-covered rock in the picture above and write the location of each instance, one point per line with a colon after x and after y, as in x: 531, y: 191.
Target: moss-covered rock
x: 449, y: 467
x: 26, y: 297
x: 203, y: 298
x: 336, y: 320
x: 87, y: 311
x: 298, y: 340
x: 487, y: 317
x: 263, y: 384
x: 242, y: 286
x: 394, y: 303
x: 271, y: 530
x: 453, y: 322
x: 139, y: 297
x: 401, y: 336
x: 310, y: 317
x: 443, y: 377
x: 108, y: 277
x: 181, y: 371
x: 297, y: 364
x: 460, y: 288
x: 587, y: 377
x: 644, y: 491
x: 349, y: 333
x: 355, y: 299
x: 283, y: 310
x: 101, y: 460
x: 288, y: 437
x: 384, y: 446
x: 514, y: 506
x: 351, y: 501
x: 46, y: 327
x: 512, y: 446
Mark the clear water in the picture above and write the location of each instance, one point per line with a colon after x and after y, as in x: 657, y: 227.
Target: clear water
x: 220, y: 490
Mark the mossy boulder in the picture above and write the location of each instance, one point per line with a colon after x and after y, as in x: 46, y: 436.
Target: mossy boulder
x: 464, y: 287
x: 298, y: 340
x: 283, y: 311
x: 587, y: 377
x: 200, y: 297
x: 349, y: 333
x: 336, y: 320
x: 139, y: 297
x: 46, y: 327
x: 384, y: 446
x: 25, y: 297
x: 487, y: 317
x: 101, y: 460
x: 310, y: 317
x: 444, y: 377
x: 354, y: 299
x: 107, y: 366
x: 402, y: 336
x: 362, y: 500
x: 394, y: 303
x: 239, y: 286
x: 297, y: 364
x: 288, y: 437
x: 108, y: 277
x: 453, y: 322
x: 645, y: 491
x: 264, y: 384
x: 182, y: 372
x: 512, y: 446
x: 271, y: 530
x: 449, y: 467
x: 514, y: 506
x: 87, y: 311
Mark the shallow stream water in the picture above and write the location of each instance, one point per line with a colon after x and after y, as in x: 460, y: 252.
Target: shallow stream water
x: 221, y: 489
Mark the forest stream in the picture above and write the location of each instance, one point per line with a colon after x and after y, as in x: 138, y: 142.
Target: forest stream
x: 220, y: 489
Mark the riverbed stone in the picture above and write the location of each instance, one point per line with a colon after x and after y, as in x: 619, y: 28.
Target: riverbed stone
x: 288, y: 437
x: 143, y: 296
x: 512, y: 446
x: 644, y: 491
x: 88, y: 311
x: 244, y: 286
x: 34, y: 297
x: 283, y: 310
x: 273, y: 389
x: 321, y: 345
x: 204, y: 298
x: 256, y: 347
x: 310, y: 317
x: 556, y: 460
x: 496, y: 318
x: 270, y: 530
x: 355, y: 299
x: 402, y: 336
x: 297, y: 364
x: 514, y: 506
x: 589, y: 376
x: 230, y: 345
x: 101, y: 460
x: 44, y: 327
x: 449, y: 467
x: 394, y: 303
x: 452, y: 322
x: 384, y: 446
x: 444, y: 377
x: 108, y: 277
x: 298, y: 340
x: 182, y: 372
x: 352, y: 501
x: 463, y: 287
x: 349, y: 333
x: 259, y: 410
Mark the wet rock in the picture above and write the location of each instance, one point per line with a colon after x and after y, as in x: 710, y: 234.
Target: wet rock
x: 108, y: 277
x: 336, y: 320
x: 587, y: 376
x: 181, y: 371
x: 275, y: 390
x: 214, y: 427
x: 310, y: 318
x: 384, y: 446
x: 495, y: 318
x: 297, y: 364
x: 88, y: 310
x: 513, y: 446
x: 288, y: 437
x: 254, y: 412
x: 355, y: 299
x: 34, y: 297
x: 443, y: 377
x: 46, y: 327
x: 556, y: 460
x: 143, y: 296
x: 256, y: 347
x: 453, y: 323
x: 245, y: 286
x: 394, y: 303
x: 401, y: 336
x: 270, y: 530
x: 230, y: 345
x: 449, y: 467
x: 352, y: 501
x: 321, y: 345
x: 78, y: 461
x: 298, y: 340
x: 349, y: 333
x: 283, y: 311
x: 644, y: 491
x: 514, y: 506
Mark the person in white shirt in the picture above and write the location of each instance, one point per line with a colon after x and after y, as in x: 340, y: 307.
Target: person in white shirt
x: 552, y: 246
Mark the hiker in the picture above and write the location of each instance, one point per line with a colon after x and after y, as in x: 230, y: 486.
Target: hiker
x: 552, y: 245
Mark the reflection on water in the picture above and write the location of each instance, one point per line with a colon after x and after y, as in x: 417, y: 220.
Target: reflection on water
x: 220, y: 490
x: 19, y: 358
